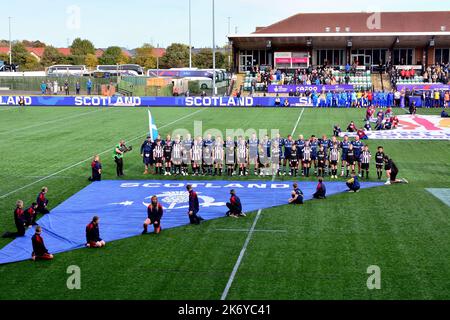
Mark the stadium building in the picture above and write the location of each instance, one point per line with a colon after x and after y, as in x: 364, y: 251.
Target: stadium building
x: 367, y: 39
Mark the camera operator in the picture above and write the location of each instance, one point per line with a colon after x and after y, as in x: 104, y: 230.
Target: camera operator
x: 118, y: 154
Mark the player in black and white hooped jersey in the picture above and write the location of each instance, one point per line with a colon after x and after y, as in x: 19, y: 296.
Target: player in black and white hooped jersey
x: 208, y: 161
x: 218, y: 155
x: 177, y: 155
x: 197, y: 156
x: 365, y: 161
x: 307, y: 158
x: 334, y: 159
x: 242, y: 156
x: 186, y: 154
x: 230, y: 155
x: 158, y: 153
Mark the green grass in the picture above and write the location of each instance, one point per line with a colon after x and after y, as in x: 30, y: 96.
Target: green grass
x: 323, y: 255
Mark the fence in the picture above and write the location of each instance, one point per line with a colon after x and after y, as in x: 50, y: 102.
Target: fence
x: 33, y: 84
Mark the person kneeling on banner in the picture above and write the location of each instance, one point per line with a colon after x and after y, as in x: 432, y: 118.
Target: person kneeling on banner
x: 40, y: 252
x: 154, y: 215
x: 296, y: 196
x: 321, y: 190
x: 353, y: 184
x: 93, y: 239
x: 234, y: 206
x: 42, y: 201
x: 194, y: 206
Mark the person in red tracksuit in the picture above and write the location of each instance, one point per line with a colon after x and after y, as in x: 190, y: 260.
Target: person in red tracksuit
x: 19, y: 221
x: 154, y: 215
x: 93, y: 239
x: 40, y: 252
x: 235, y: 206
x: 194, y: 206
x: 42, y: 201
x: 30, y: 215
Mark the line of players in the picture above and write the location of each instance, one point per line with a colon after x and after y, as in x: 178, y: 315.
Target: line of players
x: 278, y: 156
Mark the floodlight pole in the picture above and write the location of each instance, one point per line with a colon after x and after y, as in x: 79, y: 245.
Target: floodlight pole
x: 190, y: 36
x: 214, y: 46
x: 10, y: 43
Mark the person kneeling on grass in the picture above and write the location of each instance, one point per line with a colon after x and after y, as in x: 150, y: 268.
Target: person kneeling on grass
x: 19, y: 221
x: 321, y: 190
x: 93, y: 239
x: 40, y: 252
x: 297, y: 195
x: 392, y: 171
x: 353, y: 184
x: 234, y: 206
x: 154, y: 215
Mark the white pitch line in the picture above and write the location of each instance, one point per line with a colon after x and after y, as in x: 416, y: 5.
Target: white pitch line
x: 241, y: 256
x: 49, y: 122
x: 298, y: 121
x: 246, y: 230
x: 90, y: 158
x: 250, y: 234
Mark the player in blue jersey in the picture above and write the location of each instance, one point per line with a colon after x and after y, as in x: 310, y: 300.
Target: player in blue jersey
x: 300, y: 143
x: 344, y: 146
x: 358, y: 148
x: 314, y: 144
x: 253, y: 144
x: 288, y: 144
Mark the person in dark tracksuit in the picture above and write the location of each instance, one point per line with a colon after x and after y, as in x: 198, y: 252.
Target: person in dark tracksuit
x: 40, y: 252
x: 93, y: 239
x: 321, y: 191
x: 19, y: 221
x: 194, y: 206
x: 42, y: 201
x: 297, y: 195
x: 234, y: 206
x: 96, y: 167
x: 147, y: 153
x: 30, y: 215
x: 154, y: 215
x: 353, y: 184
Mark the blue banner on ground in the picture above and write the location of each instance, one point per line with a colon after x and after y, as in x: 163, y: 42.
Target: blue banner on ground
x: 122, y: 208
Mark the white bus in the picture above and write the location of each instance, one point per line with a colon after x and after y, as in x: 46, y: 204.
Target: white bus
x: 124, y: 69
x: 70, y: 70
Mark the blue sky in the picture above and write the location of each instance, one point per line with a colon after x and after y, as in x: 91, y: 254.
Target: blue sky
x: 134, y: 22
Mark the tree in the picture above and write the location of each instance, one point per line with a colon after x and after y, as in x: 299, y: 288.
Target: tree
x: 34, y: 44
x: 51, y: 57
x: 4, y: 57
x: 113, y: 55
x: 145, y: 57
x: 19, y: 54
x: 91, y: 60
x: 80, y: 49
x: 31, y: 64
x: 177, y: 56
x: 204, y: 59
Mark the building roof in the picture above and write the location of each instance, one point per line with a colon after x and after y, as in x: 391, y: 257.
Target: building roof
x: 159, y: 52
x: 430, y: 21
